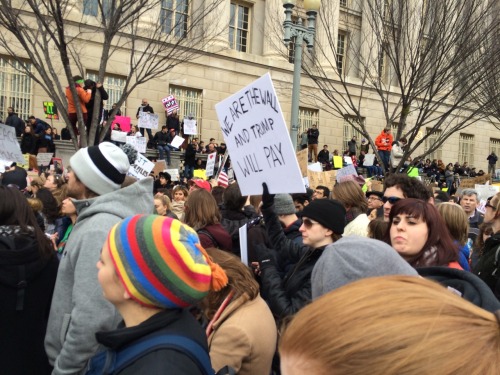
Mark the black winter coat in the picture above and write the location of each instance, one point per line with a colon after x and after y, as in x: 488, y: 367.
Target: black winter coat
x: 289, y: 294
x: 28, y: 143
x: 25, y: 303
x: 162, y: 361
x: 485, y: 266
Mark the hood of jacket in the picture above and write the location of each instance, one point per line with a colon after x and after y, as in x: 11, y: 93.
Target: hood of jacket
x: 122, y: 202
x: 463, y: 283
x: 18, y: 248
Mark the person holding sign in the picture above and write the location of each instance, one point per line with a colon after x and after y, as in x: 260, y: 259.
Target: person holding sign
x: 323, y: 223
x: 173, y: 122
x: 145, y: 107
x: 162, y: 140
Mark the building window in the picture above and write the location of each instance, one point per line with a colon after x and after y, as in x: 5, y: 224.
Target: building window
x: 341, y: 43
x: 494, y: 146
x: 432, y: 138
x: 91, y: 7
x: 16, y: 88
x: 350, y: 132
x: 466, y: 149
x: 307, y: 118
x: 239, y: 27
x: 174, y: 17
x: 114, y: 87
x: 190, y: 103
x: 343, y: 3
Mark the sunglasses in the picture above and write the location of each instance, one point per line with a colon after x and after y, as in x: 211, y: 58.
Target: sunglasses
x: 391, y: 200
x: 308, y: 223
x: 490, y: 206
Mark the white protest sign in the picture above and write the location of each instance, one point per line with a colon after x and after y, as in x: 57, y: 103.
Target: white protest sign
x: 348, y: 160
x: 44, y: 158
x: 190, y: 126
x: 177, y: 141
x: 148, y: 120
x: 316, y: 167
x: 258, y: 141
x: 243, y: 244
x: 369, y: 159
x: 9, y: 146
x: 211, y: 164
x: 139, y: 143
x: 170, y: 104
x: 486, y: 191
x: 118, y: 136
x: 141, y: 168
x: 346, y: 171
x: 174, y: 174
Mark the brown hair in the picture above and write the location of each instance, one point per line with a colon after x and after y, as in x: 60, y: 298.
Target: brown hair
x: 377, y: 228
x: 478, y: 245
x: 181, y: 188
x: 495, y: 202
x: 351, y: 196
x: 241, y: 281
x: 392, y: 325
x: 201, y: 209
x: 456, y: 220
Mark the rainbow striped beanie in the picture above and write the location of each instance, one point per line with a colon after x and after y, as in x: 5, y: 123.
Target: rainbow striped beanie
x: 159, y: 262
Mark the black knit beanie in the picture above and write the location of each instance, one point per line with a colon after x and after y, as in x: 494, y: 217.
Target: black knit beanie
x: 328, y: 212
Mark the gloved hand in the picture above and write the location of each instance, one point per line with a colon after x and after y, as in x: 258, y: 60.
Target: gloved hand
x: 267, y: 199
x: 265, y: 256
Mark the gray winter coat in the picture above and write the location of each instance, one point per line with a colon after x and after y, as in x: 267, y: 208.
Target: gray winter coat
x: 79, y: 309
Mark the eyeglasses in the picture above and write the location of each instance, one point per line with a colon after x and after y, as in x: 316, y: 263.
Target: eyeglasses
x: 308, y: 223
x: 374, y: 199
x: 391, y: 200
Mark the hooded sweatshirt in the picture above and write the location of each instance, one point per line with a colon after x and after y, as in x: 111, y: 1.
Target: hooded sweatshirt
x: 79, y: 309
x: 26, y: 285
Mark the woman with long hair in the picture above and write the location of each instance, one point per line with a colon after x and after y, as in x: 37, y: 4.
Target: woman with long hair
x: 163, y: 206
x: 457, y: 223
x: 391, y: 325
x: 28, y: 270
x: 419, y: 234
x: 353, y: 199
x: 28, y: 141
x: 242, y: 332
x: 203, y: 215
x: 487, y: 267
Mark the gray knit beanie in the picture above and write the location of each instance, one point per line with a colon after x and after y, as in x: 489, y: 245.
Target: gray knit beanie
x: 353, y: 258
x: 283, y: 204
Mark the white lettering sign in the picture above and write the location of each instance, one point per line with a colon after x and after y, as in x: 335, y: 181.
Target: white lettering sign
x: 211, y: 164
x: 141, y: 168
x: 44, y: 158
x: 258, y: 141
x: 190, y: 126
x: 139, y: 143
x: 148, y: 120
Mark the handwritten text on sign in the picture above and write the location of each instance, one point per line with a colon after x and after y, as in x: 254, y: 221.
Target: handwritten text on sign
x: 9, y: 147
x: 258, y: 141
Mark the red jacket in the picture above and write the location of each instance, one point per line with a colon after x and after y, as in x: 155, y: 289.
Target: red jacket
x: 384, y: 141
x: 83, y: 95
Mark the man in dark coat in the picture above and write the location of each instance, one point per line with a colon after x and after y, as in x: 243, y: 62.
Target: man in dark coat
x: 14, y: 121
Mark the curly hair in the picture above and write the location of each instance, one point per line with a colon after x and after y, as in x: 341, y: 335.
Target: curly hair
x: 411, y: 187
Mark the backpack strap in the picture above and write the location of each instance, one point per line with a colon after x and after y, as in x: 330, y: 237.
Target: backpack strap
x: 209, y: 235
x: 158, y: 341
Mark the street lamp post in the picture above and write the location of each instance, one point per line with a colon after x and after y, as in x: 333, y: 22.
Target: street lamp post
x: 302, y: 33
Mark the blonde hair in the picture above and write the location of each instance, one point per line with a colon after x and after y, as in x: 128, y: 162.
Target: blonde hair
x: 393, y: 325
x: 456, y: 220
x: 164, y: 200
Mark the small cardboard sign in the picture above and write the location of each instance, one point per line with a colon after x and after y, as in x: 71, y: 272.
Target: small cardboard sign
x: 346, y: 171
x: 170, y: 104
x: 58, y: 164
x: 348, y: 160
x: 337, y: 162
x: 302, y: 160
x: 177, y: 141
x: 118, y: 136
x: 200, y: 173
x: 141, y: 168
x: 369, y: 159
x: 124, y: 122
x: 211, y: 164
x: 44, y: 158
x: 486, y: 191
x: 174, y: 174
x: 326, y: 178
x: 160, y: 166
x: 9, y: 146
x: 50, y: 110
x: 190, y: 126
x: 148, y: 120
x: 139, y: 143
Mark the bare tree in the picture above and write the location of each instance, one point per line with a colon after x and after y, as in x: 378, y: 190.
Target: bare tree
x: 410, y: 56
x: 53, y: 35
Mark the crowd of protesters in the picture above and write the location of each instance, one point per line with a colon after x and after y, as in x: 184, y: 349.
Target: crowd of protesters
x: 103, y: 273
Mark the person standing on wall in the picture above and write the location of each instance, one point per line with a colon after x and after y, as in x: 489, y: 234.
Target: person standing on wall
x: 492, y: 161
x: 384, y: 146
x: 312, y: 143
x: 145, y: 107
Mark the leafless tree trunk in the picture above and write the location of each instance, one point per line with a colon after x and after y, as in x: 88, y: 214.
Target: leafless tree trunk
x: 49, y: 31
